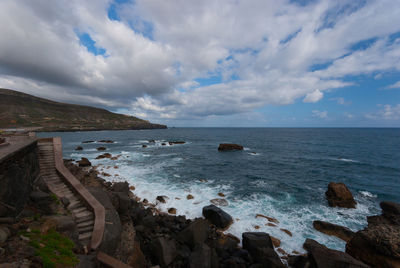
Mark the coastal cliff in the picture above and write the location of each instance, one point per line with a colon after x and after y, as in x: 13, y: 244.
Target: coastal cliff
x: 20, y: 110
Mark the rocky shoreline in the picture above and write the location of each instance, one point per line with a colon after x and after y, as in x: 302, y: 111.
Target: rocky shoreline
x: 140, y: 235
x: 174, y: 241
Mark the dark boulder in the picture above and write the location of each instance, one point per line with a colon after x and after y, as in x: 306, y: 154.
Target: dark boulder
x: 161, y: 198
x: 261, y: 249
x: 101, y: 148
x: 121, y: 187
x: 323, y: 257
x: 341, y: 232
x: 164, y: 250
x: 105, y: 155
x: 84, y: 162
x: 87, y: 141
x: 390, y: 208
x: 253, y: 240
x: 298, y: 261
x: 217, y: 216
x: 200, y: 257
x: 338, y: 195
x: 196, y: 233
x: 79, y: 148
x: 106, y: 141
x: 229, y: 147
x: 377, y: 245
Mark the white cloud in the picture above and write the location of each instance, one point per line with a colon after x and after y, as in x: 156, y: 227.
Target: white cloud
x: 314, y: 96
x: 393, y: 86
x: 388, y: 112
x: 264, y: 50
x: 319, y: 114
x: 341, y: 101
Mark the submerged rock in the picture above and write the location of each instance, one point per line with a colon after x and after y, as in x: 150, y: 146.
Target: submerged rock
x: 338, y: 195
x: 219, y: 202
x: 189, y: 196
x: 101, y: 148
x: 217, y: 216
x: 87, y: 141
x: 341, y: 232
x: 106, y: 141
x: 172, y: 210
x: 270, y: 219
x: 105, y: 155
x: 323, y: 257
x: 79, y: 148
x: 229, y: 147
x: 144, y: 146
x: 176, y: 142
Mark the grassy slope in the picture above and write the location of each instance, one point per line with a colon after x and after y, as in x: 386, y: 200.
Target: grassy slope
x: 22, y: 110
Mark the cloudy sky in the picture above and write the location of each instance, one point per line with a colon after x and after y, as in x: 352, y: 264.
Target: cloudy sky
x: 211, y: 62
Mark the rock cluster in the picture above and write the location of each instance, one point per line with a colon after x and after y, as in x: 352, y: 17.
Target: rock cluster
x: 379, y: 243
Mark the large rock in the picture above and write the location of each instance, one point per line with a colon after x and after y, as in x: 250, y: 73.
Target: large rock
x: 164, y: 250
x: 217, y: 216
x: 196, y: 233
x: 229, y: 147
x: 323, y: 257
x: 203, y: 257
x: 379, y: 244
x: 338, y: 195
x: 341, y: 232
x: 84, y: 162
x: 261, y: 249
x: 121, y: 187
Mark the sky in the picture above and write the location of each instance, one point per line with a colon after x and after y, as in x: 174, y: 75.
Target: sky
x: 210, y: 63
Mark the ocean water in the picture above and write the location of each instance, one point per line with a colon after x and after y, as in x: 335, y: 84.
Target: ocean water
x: 282, y: 173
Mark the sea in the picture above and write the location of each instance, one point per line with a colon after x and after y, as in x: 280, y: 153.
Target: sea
x: 281, y: 173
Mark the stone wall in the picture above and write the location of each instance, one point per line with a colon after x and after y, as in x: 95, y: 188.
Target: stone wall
x: 19, y: 168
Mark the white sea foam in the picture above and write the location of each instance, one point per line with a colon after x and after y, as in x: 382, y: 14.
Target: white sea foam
x: 150, y: 181
x: 368, y: 194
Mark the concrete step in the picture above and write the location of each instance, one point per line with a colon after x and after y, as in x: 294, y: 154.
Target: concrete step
x: 84, y: 218
x: 85, y: 223
x: 82, y: 214
x: 85, y: 236
x: 74, y: 204
x: 86, y: 229
x: 79, y: 210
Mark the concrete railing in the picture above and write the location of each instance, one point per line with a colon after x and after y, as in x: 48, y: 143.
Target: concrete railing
x: 87, y: 197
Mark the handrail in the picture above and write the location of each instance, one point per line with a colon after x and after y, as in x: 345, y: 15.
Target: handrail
x: 98, y: 209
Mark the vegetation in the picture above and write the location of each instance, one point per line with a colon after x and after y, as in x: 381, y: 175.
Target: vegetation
x: 22, y: 110
x: 54, y: 249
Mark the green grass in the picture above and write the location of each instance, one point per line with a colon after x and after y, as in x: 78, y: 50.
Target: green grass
x: 53, y: 248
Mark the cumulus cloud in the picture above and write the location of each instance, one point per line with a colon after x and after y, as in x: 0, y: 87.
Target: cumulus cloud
x: 319, y: 114
x: 388, y: 112
x: 159, y: 52
x: 313, y: 96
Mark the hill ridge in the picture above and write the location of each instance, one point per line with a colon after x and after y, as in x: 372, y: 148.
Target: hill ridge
x: 19, y: 110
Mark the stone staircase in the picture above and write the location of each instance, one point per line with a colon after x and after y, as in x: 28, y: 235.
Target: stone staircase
x: 81, y: 212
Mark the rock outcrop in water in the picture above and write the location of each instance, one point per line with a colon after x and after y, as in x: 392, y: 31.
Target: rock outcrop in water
x: 341, y: 232
x: 338, y: 195
x: 229, y: 147
x: 379, y: 244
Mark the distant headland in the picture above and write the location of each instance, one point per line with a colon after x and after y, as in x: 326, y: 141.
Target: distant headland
x: 20, y: 110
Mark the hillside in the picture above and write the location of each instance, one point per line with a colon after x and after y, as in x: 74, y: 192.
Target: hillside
x: 19, y: 110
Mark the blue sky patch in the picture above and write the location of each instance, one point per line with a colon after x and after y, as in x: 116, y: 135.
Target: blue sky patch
x: 90, y: 44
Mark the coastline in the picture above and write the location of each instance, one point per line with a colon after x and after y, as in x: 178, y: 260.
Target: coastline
x: 150, y: 224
